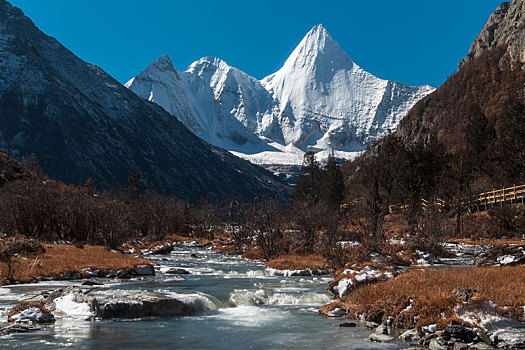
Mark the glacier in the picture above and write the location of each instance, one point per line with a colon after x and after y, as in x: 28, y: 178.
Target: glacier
x: 320, y: 100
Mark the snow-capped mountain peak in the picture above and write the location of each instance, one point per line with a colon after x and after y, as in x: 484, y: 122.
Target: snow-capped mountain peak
x: 334, y: 103
x: 164, y: 62
x: 319, y: 100
x: 318, y: 48
x: 208, y: 64
x: 161, y: 83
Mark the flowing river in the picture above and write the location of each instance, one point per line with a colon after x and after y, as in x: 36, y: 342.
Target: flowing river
x: 247, y: 308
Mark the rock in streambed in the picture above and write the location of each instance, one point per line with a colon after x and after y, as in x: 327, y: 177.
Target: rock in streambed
x: 74, y: 302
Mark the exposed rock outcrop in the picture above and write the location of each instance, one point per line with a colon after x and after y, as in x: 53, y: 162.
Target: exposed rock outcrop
x: 506, y: 26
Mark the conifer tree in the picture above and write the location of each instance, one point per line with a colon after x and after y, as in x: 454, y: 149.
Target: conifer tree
x: 510, y: 150
x: 332, y: 185
x: 309, y: 181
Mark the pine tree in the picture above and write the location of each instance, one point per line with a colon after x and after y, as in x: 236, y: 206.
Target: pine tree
x: 510, y: 148
x: 309, y: 181
x: 480, y: 138
x: 332, y: 185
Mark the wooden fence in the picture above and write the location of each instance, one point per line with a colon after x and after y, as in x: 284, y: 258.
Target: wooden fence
x: 484, y: 200
x: 481, y: 202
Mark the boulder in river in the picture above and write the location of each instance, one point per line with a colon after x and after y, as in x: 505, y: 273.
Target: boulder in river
x: 91, y: 283
x: 74, y: 303
x: 161, y: 249
x: 145, y: 304
x: 380, y: 337
x: 145, y: 270
x: 177, y: 271
x: 30, y: 312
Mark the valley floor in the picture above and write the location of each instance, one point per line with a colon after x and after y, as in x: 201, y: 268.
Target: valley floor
x: 425, y: 297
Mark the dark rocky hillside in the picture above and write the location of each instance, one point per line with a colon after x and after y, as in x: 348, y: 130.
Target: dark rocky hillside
x: 481, y: 86
x: 468, y: 135
x: 490, y: 81
x: 81, y: 123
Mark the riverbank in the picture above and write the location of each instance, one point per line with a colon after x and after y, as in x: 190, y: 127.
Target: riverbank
x: 66, y: 261
x: 483, y: 297
x: 465, y: 299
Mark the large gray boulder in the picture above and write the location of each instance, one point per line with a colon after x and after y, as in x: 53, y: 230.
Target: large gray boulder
x: 146, y: 304
x: 75, y: 303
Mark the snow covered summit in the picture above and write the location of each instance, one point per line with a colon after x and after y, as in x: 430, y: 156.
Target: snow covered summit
x: 319, y: 100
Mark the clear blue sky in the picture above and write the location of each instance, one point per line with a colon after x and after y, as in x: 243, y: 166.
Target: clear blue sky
x: 411, y: 41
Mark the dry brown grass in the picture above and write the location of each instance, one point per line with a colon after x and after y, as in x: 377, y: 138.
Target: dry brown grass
x: 254, y: 254
x: 431, y: 292
x: 60, y: 259
x: 227, y: 249
x: 178, y: 238
x: 298, y: 262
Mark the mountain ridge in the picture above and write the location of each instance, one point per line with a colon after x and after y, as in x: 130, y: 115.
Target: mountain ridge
x: 81, y: 123
x: 276, y: 119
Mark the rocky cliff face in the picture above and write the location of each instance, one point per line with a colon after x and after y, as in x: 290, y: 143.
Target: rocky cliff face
x: 82, y: 123
x: 506, y: 26
x: 490, y: 81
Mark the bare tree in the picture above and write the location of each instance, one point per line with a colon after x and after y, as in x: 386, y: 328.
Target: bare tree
x: 266, y: 220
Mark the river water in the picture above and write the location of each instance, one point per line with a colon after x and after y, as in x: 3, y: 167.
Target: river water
x: 248, y: 308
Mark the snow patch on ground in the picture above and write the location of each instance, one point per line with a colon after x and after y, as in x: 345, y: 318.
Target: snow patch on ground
x: 357, y: 277
x: 288, y: 273
x: 426, y: 259
x: 337, y: 312
x: 32, y: 314
x: 72, y: 309
x: 506, y: 259
x: 484, y: 315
